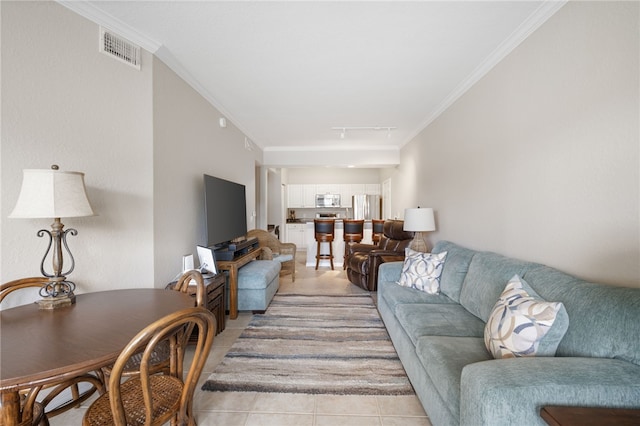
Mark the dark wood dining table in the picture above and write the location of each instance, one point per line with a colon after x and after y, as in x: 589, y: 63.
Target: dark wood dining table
x: 40, y: 347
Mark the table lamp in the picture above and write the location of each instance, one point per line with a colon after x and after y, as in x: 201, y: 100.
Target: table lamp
x: 54, y: 194
x: 419, y: 221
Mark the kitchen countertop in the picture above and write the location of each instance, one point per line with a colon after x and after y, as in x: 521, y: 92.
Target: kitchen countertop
x: 304, y: 220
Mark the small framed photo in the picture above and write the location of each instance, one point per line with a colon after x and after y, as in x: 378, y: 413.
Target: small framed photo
x: 207, y: 260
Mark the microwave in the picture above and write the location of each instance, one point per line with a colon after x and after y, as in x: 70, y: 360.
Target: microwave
x: 327, y: 200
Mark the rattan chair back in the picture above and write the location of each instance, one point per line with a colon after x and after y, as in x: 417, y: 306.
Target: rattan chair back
x: 22, y: 283
x: 153, y: 399
x: 160, y: 358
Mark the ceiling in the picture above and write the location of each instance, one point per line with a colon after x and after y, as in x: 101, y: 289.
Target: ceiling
x: 286, y: 73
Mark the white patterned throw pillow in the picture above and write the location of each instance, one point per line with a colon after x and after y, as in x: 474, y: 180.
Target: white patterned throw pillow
x: 519, y: 322
x: 422, y: 270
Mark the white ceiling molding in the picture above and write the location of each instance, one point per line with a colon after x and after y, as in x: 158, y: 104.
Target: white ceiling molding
x: 89, y: 11
x: 539, y: 17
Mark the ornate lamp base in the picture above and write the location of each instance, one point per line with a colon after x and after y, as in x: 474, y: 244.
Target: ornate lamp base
x: 57, y: 302
x: 57, y: 293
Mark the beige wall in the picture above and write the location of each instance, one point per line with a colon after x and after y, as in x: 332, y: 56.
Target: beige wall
x: 143, y: 138
x: 188, y: 142
x: 540, y: 159
x: 64, y: 102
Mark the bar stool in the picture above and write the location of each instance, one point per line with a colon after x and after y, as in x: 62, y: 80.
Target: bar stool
x: 353, y: 233
x: 378, y: 226
x: 324, y: 232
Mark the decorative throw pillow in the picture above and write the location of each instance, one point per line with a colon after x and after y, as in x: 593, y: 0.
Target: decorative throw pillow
x: 267, y: 254
x: 422, y: 270
x: 520, y: 323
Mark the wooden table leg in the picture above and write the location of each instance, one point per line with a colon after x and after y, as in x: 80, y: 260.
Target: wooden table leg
x: 9, y: 408
x: 233, y: 292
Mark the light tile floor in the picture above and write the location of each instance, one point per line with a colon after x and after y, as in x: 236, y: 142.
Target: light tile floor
x: 265, y: 409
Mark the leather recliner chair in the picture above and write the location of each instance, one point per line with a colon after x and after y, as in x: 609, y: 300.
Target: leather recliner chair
x: 364, y: 259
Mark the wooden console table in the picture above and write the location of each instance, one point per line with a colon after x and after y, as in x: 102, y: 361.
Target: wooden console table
x: 565, y: 416
x: 232, y: 266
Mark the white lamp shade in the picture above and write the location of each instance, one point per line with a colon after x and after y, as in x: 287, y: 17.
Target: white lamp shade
x: 419, y: 220
x: 52, y: 194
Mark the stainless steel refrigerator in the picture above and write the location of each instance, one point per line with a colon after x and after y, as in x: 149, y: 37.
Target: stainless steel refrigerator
x: 367, y: 207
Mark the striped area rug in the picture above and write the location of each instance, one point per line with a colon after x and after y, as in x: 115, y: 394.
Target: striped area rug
x: 318, y: 344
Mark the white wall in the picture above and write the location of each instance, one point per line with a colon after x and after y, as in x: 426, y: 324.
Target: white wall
x: 331, y: 175
x: 64, y: 102
x: 540, y: 159
x: 143, y: 138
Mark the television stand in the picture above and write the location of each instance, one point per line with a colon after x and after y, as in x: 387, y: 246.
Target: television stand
x: 231, y: 251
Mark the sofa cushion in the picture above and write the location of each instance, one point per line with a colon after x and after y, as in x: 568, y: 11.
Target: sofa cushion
x: 422, y: 270
x: 521, y: 323
x: 488, y: 274
x: 395, y: 295
x: 422, y: 319
x: 257, y: 274
x: 282, y: 257
x: 455, y: 268
x: 443, y: 359
x: 604, y: 318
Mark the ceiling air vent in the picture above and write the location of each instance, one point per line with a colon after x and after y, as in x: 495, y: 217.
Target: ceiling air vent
x: 119, y: 48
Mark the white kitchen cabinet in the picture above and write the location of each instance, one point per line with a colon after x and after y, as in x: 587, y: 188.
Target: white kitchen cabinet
x: 346, y: 192
x: 295, y: 195
x: 358, y: 188
x: 304, y: 195
x: 309, y: 195
x: 296, y: 235
x: 372, y: 189
x: 328, y: 188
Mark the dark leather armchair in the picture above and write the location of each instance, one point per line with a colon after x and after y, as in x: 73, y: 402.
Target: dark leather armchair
x: 364, y: 259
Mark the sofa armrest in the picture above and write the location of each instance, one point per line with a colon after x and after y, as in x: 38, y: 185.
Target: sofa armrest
x: 363, y: 248
x: 512, y: 391
x: 288, y: 248
x: 390, y: 271
x: 377, y: 258
x: 388, y: 253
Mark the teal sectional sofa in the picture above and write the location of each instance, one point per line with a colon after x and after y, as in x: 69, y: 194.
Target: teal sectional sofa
x: 440, y: 341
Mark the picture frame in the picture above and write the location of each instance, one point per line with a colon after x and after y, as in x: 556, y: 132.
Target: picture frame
x: 207, y: 260
x: 187, y: 262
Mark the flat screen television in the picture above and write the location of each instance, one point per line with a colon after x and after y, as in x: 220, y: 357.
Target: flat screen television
x: 225, y: 207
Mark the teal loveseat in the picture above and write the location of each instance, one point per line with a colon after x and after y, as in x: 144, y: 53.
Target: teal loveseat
x: 440, y: 341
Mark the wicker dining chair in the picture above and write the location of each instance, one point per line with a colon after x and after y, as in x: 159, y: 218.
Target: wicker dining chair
x: 160, y: 358
x: 153, y: 399
x: 73, y: 391
x: 32, y: 413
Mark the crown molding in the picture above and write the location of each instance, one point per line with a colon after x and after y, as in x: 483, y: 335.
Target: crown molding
x: 532, y: 23
x: 94, y: 14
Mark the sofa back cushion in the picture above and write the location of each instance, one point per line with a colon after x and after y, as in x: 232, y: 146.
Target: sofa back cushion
x: 604, y: 321
x: 487, y: 276
x: 455, y: 267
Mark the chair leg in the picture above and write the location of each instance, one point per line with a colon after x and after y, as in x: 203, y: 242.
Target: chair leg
x: 331, y: 254
x: 317, y: 254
